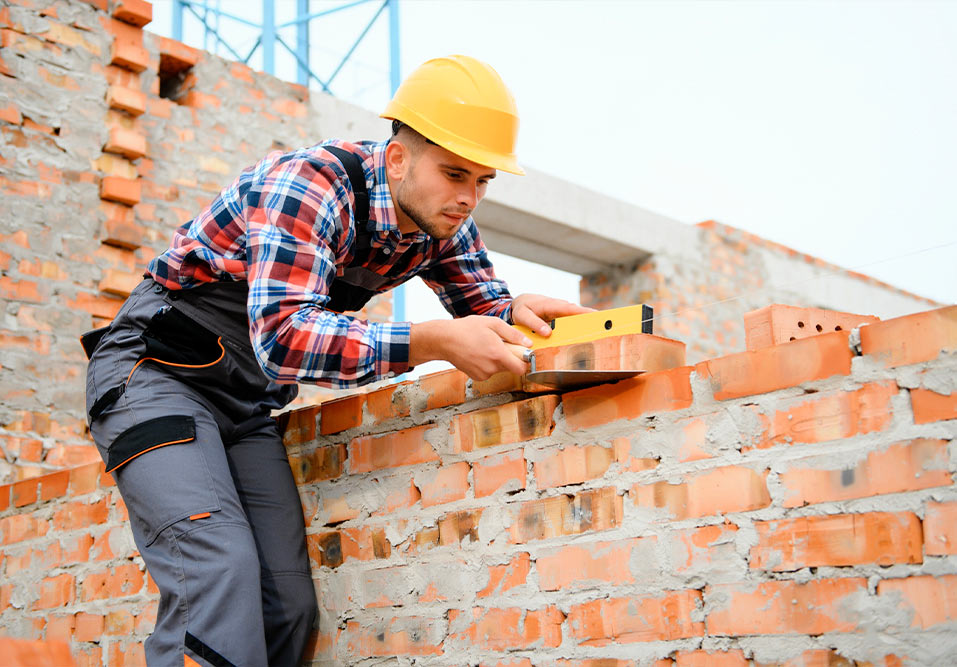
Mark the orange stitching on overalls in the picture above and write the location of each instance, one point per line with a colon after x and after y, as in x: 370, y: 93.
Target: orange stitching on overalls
x: 170, y: 363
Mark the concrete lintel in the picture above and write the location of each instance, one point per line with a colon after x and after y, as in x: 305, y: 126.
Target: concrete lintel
x: 541, y: 218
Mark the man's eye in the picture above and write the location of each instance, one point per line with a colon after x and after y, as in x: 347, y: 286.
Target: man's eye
x: 454, y: 175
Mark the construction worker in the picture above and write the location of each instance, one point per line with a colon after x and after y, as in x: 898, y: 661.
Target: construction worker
x: 247, y: 302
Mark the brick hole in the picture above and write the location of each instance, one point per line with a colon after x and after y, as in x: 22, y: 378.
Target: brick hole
x: 800, y: 325
x: 791, y: 338
x: 837, y: 328
x: 819, y: 327
x: 174, y: 79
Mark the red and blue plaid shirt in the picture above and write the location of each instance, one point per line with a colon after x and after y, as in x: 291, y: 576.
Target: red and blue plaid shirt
x: 286, y: 227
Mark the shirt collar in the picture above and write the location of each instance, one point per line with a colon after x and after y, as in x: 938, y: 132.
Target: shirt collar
x: 382, y: 212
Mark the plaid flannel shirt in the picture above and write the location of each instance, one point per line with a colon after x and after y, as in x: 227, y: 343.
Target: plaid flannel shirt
x: 285, y: 226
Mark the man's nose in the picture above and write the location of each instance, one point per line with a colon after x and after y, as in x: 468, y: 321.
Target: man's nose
x: 468, y: 196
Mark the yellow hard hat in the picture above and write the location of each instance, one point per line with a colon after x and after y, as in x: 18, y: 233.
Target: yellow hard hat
x: 462, y: 105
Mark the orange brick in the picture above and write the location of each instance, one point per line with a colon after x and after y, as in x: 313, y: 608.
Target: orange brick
x: 406, y: 496
x: 299, y: 426
x: 444, y: 485
x: 134, y: 12
x: 499, y: 383
x: 773, y: 368
x: 336, y: 509
x: 333, y: 548
x: 911, y: 339
x: 57, y: 591
x: 320, y: 464
x: 828, y: 658
x: 126, y: 99
x: 628, y: 399
x: 175, y: 56
x: 120, y: 283
x: 84, y: 479
x: 514, y: 628
x: 25, y: 492
x: 929, y: 406
x: 718, y: 491
x: 831, y: 416
x: 931, y: 600
x: 940, y: 529
x: 704, y: 658
x: 341, y: 414
x: 383, y: 404
x: 581, y: 565
x: 631, y: 619
x: 596, y: 509
x: 34, y: 652
x: 456, y: 526
x: 128, y: 143
x: 572, y: 465
x: 60, y: 627
x: 119, y: 189
x: 391, y: 450
x: 76, y: 548
x: 117, y: 582
x: 20, y: 527
x: 54, y: 485
x: 882, y: 538
x: 643, y: 352
x: 397, y: 636
x: 88, y: 627
x: 629, y: 463
x: 777, y: 324
x: 118, y: 622
x: 119, y: 227
x: 785, y: 607
x: 80, y: 514
x: 443, y: 389
x: 701, y: 548
x: 131, y: 654
x: 19, y: 290
x: 502, y: 578
x: 11, y: 114
x: 504, y: 471
x: 906, y: 466
x: 505, y: 424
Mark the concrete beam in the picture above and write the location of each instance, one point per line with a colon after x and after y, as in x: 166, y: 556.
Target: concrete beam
x: 541, y: 218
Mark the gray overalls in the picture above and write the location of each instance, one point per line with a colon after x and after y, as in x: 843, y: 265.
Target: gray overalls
x: 180, y: 411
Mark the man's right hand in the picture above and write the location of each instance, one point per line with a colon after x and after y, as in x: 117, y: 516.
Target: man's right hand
x: 476, y: 345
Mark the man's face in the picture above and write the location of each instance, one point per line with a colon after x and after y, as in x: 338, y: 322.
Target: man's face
x: 437, y: 190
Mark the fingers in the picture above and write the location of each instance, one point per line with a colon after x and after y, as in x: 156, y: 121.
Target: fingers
x: 509, y: 334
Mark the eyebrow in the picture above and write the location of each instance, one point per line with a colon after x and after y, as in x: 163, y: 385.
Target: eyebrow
x: 463, y: 170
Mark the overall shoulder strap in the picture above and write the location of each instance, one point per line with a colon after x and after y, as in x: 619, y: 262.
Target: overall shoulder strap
x: 353, y: 166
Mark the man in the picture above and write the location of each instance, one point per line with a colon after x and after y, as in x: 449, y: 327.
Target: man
x: 247, y: 302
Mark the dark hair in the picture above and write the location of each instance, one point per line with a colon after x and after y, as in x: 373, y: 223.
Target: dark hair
x: 397, y: 126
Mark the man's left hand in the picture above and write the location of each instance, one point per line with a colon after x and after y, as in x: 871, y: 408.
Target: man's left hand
x: 535, y: 311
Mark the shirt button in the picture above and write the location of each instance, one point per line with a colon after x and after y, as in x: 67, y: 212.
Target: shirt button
x: 387, y: 251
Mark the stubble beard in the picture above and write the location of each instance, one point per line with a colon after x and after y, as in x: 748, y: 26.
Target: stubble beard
x: 404, y: 199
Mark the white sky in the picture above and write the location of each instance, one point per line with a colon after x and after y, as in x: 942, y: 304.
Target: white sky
x: 830, y: 127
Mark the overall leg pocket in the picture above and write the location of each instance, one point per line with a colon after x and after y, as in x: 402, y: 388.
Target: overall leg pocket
x: 162, y: 473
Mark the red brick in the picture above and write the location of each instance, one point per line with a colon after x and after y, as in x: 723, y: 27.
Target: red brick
x: 504, y: 471
x: 911, y: 339
x: 777, y: 324
x: 54, y: 485
x: 341, y: 414
x: 391, y: 450
x: 76, y: 548
x: 514, y: 628
x: 456, y: 526
x: 84, y: 479
x: 718, y: 491
x: 60, y: 627
x: 406, y: 495
x: 19, y: 290
x: 130, y: 654
x: 629, y: 463
x: 773, y: 368
x: 80, y: 514
x: 118, y: 622
x: 384, y: 404
x: 117, y: 582
x: 929, y: 406
x: 20, y: 527
x: 175, y: 56
x: 631, y: 619
x: 88, y: 627
x: 134, y: 12
x: 320, y: 464
x: 119, y: 228
x: 128, y: 143
x: 635, y: 351
x: 443, y: 389
x: 333, y: 548
x: 120, y: 283
x: 881, y: 538
x: 702, y: 548
x: 906, y: 466
x: 25, y: 492
x: 395, y: 637
x: 828, y: 658
x: 119, y: 189
x: 581, y: 565
x: 940, y: 529
x: 11, y: 114
x: 57, y: 591
x: 299, y: 426
x: 785, y: 607
x: 931, y: 600
x: 444, y: 485
x: 34, y: 652
x: 572, y: 465
x: 336, y: 508
x: 596, y: 509
x: 126, y: 99
x: 513, y: 422
x: 628, y: 399
x: 503, y: 578
x: 832, y: 416
x: 499, y: 383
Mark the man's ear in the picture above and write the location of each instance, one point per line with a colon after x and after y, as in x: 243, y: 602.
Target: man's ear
x: 398, y: 160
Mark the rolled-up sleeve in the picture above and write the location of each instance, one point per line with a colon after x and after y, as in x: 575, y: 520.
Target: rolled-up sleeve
x: 298, y: 231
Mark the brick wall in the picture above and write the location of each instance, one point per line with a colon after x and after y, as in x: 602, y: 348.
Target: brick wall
x: 110, y: 138
x: 789, y: 505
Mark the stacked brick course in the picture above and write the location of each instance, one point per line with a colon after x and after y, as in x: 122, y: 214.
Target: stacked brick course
x: 792, y: 505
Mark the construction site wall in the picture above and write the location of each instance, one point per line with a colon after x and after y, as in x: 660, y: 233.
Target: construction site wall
x: 791, y: 505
